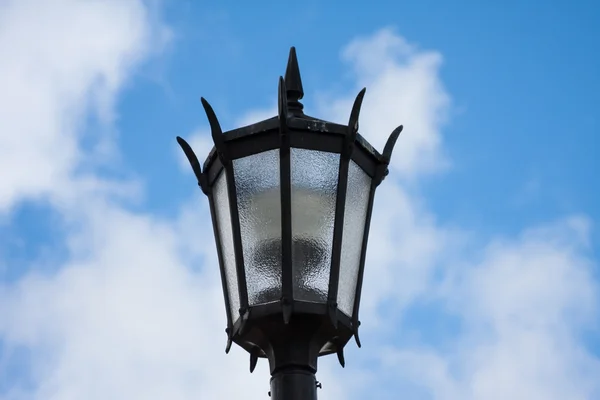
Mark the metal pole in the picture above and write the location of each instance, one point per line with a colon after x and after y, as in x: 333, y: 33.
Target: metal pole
x: 293, y: 350
x: 293, y: 383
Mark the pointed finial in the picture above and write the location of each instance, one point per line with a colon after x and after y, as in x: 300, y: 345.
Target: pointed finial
x: 293, y: 83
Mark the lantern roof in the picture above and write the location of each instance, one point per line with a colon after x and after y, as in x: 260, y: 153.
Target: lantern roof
x: 296, y: 119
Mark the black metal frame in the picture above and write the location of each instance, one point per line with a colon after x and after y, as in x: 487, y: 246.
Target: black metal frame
x: 285, y: 172
x: 263, y: 330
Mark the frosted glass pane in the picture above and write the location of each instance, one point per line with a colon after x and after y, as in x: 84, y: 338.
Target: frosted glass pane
x: 259, y: 205
x: 314, y: 177
x: 355, y: 213
x: 221, y: 199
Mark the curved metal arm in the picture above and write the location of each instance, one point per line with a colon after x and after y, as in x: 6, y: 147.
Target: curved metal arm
x: 340, y: 352
x: 389, y: 145
x: 254, y: 353
x: 215, y: 130
x: 193, y: 160
x: 353, y: 123
x: 382, y: 169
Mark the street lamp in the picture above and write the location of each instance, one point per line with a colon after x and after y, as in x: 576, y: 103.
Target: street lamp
x: 291, y: 200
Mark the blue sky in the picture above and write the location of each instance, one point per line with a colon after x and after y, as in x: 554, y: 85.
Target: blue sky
x: 482, y: 276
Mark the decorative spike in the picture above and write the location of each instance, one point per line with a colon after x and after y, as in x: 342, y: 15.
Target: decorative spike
x: 340, y: 355
x: 293, y: 82
x: 229, y: 341
x: 353, y: 121
x: 215, y: 129
x: 355, y: 325
x: 357, y: 339
x: 254, y: 358
x: 193, y: 160
x: 228, y: 346
x: 391, y: 142
x: 382, y: 169
x: 282, y: 106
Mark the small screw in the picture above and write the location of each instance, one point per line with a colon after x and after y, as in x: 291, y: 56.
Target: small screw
x: 319, y: 385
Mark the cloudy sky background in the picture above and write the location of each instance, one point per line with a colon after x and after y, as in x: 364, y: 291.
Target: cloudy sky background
x: 482, y: 278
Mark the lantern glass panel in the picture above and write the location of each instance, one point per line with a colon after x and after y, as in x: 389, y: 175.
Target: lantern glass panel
x: 223, y: 217
x: 355, y: 214
x: 314, y: 181
x: 259, y: 205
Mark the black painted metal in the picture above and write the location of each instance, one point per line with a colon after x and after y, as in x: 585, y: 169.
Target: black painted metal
x: 340, y: 205
x: 308, y: 133
x: 213, y: 172
x: 381, y: 172
x: 222, y: 151
x: 361, y: 266
x: 293, y: 83
x: 294, y: 384
x: 213, y: 214
x: 287, y: 289
x: 206, y: 189
x: 237, y: 240
x: 290, y: 333
x: 193, y: 160
x: 389, y: 145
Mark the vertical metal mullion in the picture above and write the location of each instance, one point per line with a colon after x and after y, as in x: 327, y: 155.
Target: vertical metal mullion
x: 380, y: 173
x: 224, y: 155
x: 287, y: 282
x: 237, y: 238
x: 361, y: 265
x: 211, y: 203
x: 340, y: 208
x: 338, y: 230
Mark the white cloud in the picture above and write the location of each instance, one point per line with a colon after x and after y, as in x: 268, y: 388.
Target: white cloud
x: 524, y: 306
x: 125, y: 317
x: 403, y: 87
x: 61, y: 61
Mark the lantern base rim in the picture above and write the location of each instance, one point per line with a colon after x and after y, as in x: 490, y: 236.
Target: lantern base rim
x: 308, y: 335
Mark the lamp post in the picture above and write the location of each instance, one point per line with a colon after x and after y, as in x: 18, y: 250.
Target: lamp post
x: 291, y: 200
